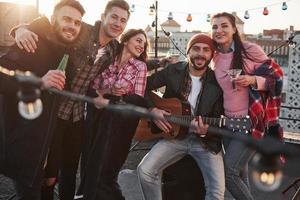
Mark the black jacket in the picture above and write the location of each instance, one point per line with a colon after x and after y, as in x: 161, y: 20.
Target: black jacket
x: 25, y: 142
x: 211, y: 98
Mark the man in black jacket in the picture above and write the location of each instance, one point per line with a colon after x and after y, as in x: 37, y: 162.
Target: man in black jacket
x: 192, y: 82
x: 27, y: 141
x: 97, y: 47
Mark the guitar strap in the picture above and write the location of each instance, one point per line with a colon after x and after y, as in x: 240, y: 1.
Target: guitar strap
x: 186, y: 85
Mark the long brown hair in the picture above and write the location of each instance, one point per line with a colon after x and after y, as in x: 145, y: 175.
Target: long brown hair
x: 239, y: 50
x: 127, y: 36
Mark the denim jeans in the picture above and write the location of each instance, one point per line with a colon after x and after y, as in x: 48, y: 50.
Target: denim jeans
x: 236, y: 159
x: 167, y: 152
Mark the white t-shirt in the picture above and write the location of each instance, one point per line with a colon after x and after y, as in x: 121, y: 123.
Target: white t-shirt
x: 195, y: 90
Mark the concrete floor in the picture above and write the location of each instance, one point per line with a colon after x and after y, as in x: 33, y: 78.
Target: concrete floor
x: 128, y: 179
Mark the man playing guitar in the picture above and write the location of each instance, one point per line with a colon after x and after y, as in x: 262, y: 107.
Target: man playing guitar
x: 192, y: 82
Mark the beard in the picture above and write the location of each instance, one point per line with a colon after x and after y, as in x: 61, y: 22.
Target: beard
x: 58, y: 30
x: 192, y: 60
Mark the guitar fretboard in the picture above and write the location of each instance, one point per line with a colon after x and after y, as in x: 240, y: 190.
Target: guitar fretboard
x: 186, y: 120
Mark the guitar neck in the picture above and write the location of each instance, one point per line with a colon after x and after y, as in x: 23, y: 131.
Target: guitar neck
x: 186, y: 120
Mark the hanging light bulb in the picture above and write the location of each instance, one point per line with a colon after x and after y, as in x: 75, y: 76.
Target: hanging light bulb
x: 189, y: 17
x: 30, y: 105
x: 284, y: 6
x: 132, y: 8
x: 267, y: 174
x: 246, y: 15
x: 30, y: 110
x: 208, y: 18
x: 170, y: 16
x: 266, y: 11
x: 292, y: 44
x: 152, y: 10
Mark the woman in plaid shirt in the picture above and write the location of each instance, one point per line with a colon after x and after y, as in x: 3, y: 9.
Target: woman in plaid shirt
x: 110, y: 133
x: 248, y: 58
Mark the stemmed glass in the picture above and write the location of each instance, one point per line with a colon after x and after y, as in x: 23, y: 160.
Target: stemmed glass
x: 120, y: 85
x: 234, y: 74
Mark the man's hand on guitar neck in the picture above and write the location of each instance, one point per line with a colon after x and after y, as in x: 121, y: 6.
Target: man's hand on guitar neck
x: 164, y: 125
x: 198, y: 127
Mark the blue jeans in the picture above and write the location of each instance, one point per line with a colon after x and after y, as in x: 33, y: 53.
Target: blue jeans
x: 236, y: 159
x: 167, y: 152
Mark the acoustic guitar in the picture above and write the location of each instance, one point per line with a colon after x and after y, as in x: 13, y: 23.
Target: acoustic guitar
x: 180, y: 120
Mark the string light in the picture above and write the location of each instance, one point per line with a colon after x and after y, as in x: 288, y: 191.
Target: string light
x: 132, y: 8
x: 208, y: 18
x: 246, y: 15
x: 284, y: 6
x: 170, y: 16
x: 152, y: 10
x: 266, y: 11
x: 189, y: 17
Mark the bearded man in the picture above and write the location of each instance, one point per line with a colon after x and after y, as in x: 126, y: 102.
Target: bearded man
x: 192, y: 82
x: 26, y: 142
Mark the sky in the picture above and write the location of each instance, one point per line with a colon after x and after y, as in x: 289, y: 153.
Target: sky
x: 199, y: 9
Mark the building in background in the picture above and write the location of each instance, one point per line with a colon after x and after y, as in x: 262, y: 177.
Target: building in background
x: 12, y: 14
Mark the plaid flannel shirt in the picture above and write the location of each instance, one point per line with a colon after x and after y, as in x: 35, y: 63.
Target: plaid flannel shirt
x: 70, y: 109
x: 264, y: 107
x: 133, y: 76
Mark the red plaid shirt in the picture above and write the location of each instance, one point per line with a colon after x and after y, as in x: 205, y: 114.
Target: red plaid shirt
x: 132, y: 76
x: 264, y: 108
x: 86, y: 71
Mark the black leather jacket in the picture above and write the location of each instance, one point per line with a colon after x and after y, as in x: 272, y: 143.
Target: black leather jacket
x: 211, y: 96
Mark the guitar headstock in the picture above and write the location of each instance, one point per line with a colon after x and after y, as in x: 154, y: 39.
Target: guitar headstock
x: 238, y: 124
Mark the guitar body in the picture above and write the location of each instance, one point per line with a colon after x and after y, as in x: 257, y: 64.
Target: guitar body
x: 180, y: 114
x: 147, y: 130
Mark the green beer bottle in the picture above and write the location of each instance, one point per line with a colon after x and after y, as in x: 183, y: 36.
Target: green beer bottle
x: 63, y: 63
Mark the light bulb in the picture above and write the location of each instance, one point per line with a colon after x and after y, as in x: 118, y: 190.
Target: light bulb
x: 267, y: 174
x: 30, y: 110
x: 246, y: 15
x: 292, y: 44
x: 170, y: 16
x: 152, y: 10
x: 208, y: 18
x: 284, y: 6
x: 189, y: 18
x: 266, y: 11
x: 267, y: 181
x: 132, y: 8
